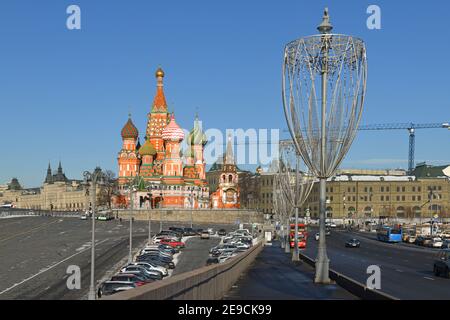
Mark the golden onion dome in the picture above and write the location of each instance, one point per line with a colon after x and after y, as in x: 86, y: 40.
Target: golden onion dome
x: 160, y: 73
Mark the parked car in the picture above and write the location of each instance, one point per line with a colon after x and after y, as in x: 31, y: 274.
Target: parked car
x: 446, y: 244
x: 437, y: 243
x: 442, y: 263
x: 205, y: 234
x: 189, y: 232
x: 211, y: 231
x: 108, y: 288
x: 212, y: 260
x: 156, y: 275
x: 136, y: 278
x: 222, y: 232
x: 353, y: 243
x: 149, y: 266
x: 173, y: 243
x: 198, y: 232
x: 156, y: 260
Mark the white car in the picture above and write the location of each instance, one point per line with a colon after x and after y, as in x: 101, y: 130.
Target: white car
x: 84, y: 217
x: 211, y: 231
x: 437, y: 243
x: 148, y: 266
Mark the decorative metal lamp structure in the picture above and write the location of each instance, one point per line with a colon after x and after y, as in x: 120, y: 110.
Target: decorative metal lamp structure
x: 295, y: 184
x: 324, y: 85
x: 283, y: 211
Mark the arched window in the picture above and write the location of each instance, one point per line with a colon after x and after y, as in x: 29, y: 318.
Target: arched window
x: 230, y: 178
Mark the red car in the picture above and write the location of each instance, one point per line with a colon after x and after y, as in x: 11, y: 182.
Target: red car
x: 173, y: 243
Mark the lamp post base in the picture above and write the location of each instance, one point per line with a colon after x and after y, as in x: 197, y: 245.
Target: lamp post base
x: 322, y: 271
x: 91, y: 294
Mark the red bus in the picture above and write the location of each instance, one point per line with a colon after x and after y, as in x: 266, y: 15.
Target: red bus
x: 302, y: 235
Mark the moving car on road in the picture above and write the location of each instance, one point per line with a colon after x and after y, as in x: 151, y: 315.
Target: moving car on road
x: 442, y: 263
x: 222, y: 232
x: 353, y: 243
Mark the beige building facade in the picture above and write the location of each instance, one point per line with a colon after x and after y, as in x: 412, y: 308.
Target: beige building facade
x: 57, y: 193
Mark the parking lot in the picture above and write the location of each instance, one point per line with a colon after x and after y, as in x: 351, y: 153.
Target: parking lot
x: 36, y: 252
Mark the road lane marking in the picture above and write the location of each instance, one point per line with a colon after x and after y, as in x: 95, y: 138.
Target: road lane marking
x: 428, y: 278
x: 47, y: 269
x: 25, y: 232
x: 398, y: 270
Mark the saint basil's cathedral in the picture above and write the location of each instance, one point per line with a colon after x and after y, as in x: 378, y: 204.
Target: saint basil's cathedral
x: 157, y: 171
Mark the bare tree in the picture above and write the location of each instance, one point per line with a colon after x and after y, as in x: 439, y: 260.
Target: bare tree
x: 108, y: 189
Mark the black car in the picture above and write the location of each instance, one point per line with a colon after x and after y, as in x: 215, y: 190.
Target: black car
x: 212, y: 260
x: 222, y: 232
x: 129, y: 277
x: 189, y: 232
x: 352, y: 243
x: 108, y: 288
x: 158, y: 261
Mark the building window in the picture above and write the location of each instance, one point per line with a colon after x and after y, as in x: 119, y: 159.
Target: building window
x: 387, y: 189
x: 382, y: 198
x: 398, y: 198
x: 331, y: 190
x: 413, y: 197
x: 403, y: 198
x: 419, y: 198
x: 382, y: 189
x: 419, y: 189
x: 387, y: 198
x: 398, y: 189
x: 403, y: 189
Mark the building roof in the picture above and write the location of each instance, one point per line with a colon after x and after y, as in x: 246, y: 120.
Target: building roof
x: 129, y: 130
x: 423, y: 170
x: 371, y: 178
x: 172, y: 131
x: 14, y: 185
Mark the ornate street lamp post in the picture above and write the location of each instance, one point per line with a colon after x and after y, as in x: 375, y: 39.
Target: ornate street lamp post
x: 91, y: 180
x: 295, y: 185
x: 323, y: 122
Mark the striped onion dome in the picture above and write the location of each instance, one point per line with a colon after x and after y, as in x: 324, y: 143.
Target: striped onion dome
x: 129, y: 131
x: 173, y: 131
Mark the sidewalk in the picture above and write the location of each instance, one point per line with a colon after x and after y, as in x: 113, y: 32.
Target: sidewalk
x: 273, y: 276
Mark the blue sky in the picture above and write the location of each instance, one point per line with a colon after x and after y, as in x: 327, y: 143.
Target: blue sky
x: 65, y: 95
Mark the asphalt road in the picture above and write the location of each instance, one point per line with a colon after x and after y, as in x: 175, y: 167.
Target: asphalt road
x: 406, y: 270
x: 195, y: 254
x: 36, y: 252
x: 273, y: 276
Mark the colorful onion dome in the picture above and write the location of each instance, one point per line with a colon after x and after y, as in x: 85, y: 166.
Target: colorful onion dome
x: 197, y: 136
x: 129, y: 131
x: 172, y: 131
x: 147, y: 149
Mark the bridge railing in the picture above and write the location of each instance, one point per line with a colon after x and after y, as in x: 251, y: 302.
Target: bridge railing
x: 206, y: 283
